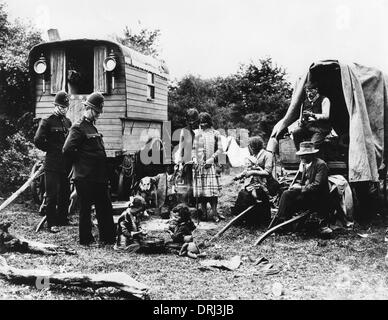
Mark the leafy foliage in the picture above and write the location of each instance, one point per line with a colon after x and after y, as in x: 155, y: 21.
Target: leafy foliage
x: 16, y: 41
x: 145, y: 41
x: 255, y: 98
x: 16, y: 103
x: 16, y: 161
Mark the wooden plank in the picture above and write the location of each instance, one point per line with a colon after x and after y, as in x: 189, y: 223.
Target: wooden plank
x: 140, y: 124
x: 136, y: 72
x: 160, y: 81
x: 135, y: 79
x: 156, y: 110
x: 110, y: 132
x: 103, y: 121
x: 160, y: 97
x: 113, y: 127
x: 147, y: 116
x: 146, y: 104
x: 116, y: 103
x: 138, y: 92
x: 162, y: 90
x: 136, y: 85
x: 147, y: 111
x: 143, y: 98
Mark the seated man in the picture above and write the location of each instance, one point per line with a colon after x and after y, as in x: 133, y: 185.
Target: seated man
x: 314, y: 124
x: 311, y: 191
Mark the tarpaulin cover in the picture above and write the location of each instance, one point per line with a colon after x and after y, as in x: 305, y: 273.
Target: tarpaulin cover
x: 365, y: 93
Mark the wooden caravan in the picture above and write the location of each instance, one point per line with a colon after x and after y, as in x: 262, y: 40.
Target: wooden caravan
x: 134, y: 86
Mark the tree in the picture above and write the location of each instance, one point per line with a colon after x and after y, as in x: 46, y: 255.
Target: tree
x: 16, y: 41
x: 145, y: 41
x: 255, y: 98
x: 264, y: 96
x: 16, y: 103
x: 190, y: 92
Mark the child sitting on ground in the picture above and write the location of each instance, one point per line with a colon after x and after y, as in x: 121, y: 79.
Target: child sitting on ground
x: 129, y: 232
x: 181, y: 224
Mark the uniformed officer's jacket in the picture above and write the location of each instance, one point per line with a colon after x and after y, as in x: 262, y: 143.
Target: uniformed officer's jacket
x: 85, y: 149
x: 50, y: 137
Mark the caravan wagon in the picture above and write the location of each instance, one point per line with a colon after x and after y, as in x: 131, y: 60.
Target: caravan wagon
x: 134, y: 86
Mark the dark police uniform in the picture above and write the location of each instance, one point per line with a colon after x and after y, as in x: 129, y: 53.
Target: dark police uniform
x: 85, y: 149
x: 50, y: 137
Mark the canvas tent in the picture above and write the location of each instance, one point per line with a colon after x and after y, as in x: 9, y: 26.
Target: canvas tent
x: 359, y: 107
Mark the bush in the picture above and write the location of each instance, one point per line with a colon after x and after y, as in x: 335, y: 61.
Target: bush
x: 16, y: 162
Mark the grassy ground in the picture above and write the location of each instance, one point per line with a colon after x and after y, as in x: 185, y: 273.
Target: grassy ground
x: 347, y: 267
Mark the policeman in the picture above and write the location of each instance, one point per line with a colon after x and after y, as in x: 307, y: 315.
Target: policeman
x: 85, y: 149
x: 50, y: 137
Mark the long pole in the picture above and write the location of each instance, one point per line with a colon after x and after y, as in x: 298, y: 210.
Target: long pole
x: 23, y: 188
x: 219, y: 234
x: 276, y: 215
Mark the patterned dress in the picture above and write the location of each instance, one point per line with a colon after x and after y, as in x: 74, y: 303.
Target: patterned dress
x: 207, y: 144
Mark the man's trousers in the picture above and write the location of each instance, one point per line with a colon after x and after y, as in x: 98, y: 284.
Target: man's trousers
x: 98, y: 194
x: 58, y: 197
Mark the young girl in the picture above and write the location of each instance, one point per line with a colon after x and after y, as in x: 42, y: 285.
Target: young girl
x: 181, y: 224
x: 207, y: 149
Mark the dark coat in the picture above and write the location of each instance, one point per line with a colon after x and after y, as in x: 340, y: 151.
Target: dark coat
x: 315, y: 183
x: 50, y: 137
x: 85, y: 149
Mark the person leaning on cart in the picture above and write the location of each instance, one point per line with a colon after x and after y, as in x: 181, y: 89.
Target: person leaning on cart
x: 50, y: 137
x: 85, y: 149
x: 314, y: 124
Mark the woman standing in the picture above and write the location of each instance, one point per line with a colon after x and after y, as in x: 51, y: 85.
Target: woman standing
x: 207, y: 148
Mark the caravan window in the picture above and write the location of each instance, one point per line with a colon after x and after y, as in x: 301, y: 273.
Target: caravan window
x: 151, y: 86
x: 80, y: 70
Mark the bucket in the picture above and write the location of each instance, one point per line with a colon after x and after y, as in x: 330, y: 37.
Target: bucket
x: 287, y: 151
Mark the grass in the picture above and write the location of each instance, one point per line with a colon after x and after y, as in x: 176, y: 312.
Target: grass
x: 346, y: 267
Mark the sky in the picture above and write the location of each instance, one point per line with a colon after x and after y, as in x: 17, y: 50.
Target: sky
x: 212, y: 38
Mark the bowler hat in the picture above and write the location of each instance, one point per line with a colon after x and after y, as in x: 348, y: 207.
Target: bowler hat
x: 95, y: 101
x: 307, y: 147
x: 62, y: 99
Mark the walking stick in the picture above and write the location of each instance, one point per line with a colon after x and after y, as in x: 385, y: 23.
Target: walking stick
x: 277, y: 213
x: 270, y: 231
x: 219, y: 234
